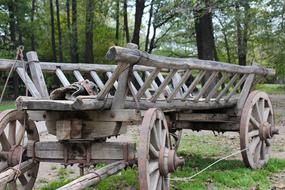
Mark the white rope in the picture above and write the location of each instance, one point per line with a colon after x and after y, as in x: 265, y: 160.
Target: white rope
x: 185, y: 179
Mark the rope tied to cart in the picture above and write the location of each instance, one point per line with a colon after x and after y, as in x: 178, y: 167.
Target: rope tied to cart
x: 189, y: 179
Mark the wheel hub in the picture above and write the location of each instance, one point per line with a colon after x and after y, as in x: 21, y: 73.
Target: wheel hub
x: 169, y: 161
x: 266, y: 131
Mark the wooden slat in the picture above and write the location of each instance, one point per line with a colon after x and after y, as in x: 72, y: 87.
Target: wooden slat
x: 222, y: 93
x: 140, y: 81
x: 78, y: 75
x: 153, y: 83
x: 161, y: 78
x: 163, y: 85
x: 193, y: 84
x: 206, y: 86
x: 240, y: 82
x: 29, y: 83
x: 179, y: 85
x: 245, y: 91
x: 109, y: 75
x: 147, y: 83
x: 62, y: 77
x: 37, y: 74
x: 97, y: 79
x: 214, y: 90
x: 119, y: 69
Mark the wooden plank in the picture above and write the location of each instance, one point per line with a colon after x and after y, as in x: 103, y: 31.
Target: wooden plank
x: 97, y: 79
x: 193, y: 84
x: 37, y: 74
x: 78, y: 75
x: 219, y: 83
x: 140, y: 81
x: 206, y: 86
x: 49, y: 151
x: 143, y: 58
x: 153, y: 83
x: 161, y: 78
x: 222, y: 93
x: 245, y: 92
x: 163, y: 85
x: 240, y: 82
x: 62, y: 77
x: 212, y: 126
x: 28, y: 82
x: 147, y: 83
x: 206, y: 117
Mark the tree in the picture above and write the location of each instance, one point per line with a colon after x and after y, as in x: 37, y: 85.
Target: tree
x: 59, y: 32
x: 126, y: 26
x: 52, y: 31
x: 117, y: 21
x: 140, y: 5
x: 74, y: 41
x: 89, y: 31
x: 33, y: 43
x: 149, y: 25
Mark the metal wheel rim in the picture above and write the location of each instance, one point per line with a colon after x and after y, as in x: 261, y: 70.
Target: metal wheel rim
x: 257, y: 110
x: 14, y: 137
x: 148, y: 159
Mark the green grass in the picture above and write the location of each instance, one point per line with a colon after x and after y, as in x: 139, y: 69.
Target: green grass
x: 271, y: 88
x: 7, y: 105
x: 199, y: 152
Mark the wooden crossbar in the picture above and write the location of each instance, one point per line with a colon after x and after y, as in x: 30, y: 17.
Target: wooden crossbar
x: 78, y: 75
x: 147, y: 83
x: 240, y: 82
x: 222, y: 93
x: 97, y: 79
x: 140, y: 82
x: 219, y: 83
x: 28, y: 82
x: 193, y: 84
x: 62, y: 77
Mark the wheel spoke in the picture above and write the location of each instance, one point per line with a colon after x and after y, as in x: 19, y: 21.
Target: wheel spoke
x: 253, y: 145
x: 153, y: 151
x: 159, y: 128
x: 254, y: 122
x: 159, y: 184
x: 154, y: 180
x: 155, y: 138
x: 262, y: 106
x: 164, y: 183
x: 253, y: 133
x: 163, y: 137
x: 258, y: 112
x: 262, y: 151
x: 266, y: 114
x: 267, y: 142
x: 257, y: 152
x: 12, y: 133
x: 4, y: 142
x: 153, y: 166
x: 20, y: 135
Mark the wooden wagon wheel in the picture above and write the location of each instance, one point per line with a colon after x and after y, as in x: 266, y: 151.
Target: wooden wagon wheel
x: 12, y: 132
x: 256, y: 129
x: 175, y: 138
x: 156, y: 158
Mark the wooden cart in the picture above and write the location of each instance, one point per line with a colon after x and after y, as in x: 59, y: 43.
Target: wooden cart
x: 162, y: 95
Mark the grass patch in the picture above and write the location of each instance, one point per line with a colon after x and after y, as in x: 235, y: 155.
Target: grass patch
x: 7, y: 105
x: 271, y: 88
x: 199, y: 152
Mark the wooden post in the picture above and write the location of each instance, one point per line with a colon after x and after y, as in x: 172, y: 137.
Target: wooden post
x: 37, y: 74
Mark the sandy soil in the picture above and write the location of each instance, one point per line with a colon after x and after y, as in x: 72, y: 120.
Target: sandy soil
x: 48, y: 171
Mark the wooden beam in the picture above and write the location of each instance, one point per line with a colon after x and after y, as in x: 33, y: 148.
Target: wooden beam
x: 206, y: 117
x: 147, y: 83
x: 97, y: 79
x: 95, y: 177
x: 240, y: 82
x: 193, y: 84
x: 143, y: 58
x: 140, y: 81
x: 179, y: 85
x: 28, y: 82
x: 104, y: 151
x: 37, y: 74
x: 227, y: 87
x: 219, y: 83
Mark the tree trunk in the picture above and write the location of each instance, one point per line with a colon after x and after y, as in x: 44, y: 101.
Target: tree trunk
x: 59, y: 32
x: 68, y: 27
x: 89, y: 31
x: 140, y: 4
x: 126, y: 21
x: 12, y: 23
x: 242, y: 32
x: 117, y: 21
x: 152, y: 41
x: 205, y: 36
x: 148, y: 26
x: 52, y: 32
x: 33, y: 45
x: 74, y: 41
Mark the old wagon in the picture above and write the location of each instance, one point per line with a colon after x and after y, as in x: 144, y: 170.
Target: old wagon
x: 162, y: 95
